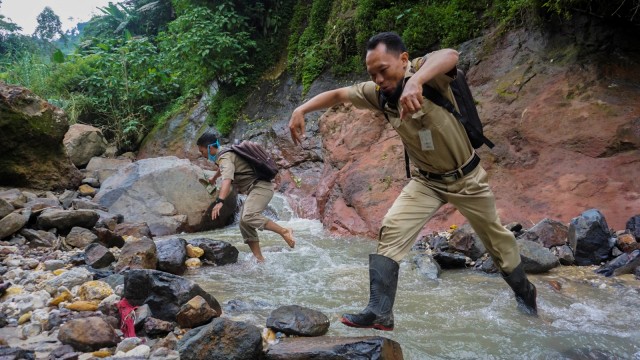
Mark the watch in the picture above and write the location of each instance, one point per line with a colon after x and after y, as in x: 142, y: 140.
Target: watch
x: 218, y: 201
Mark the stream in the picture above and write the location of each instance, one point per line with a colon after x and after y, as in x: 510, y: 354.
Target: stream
x: 465, y: 314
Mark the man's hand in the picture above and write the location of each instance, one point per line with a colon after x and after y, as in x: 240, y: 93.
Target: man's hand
x: 411, y: 99
x: 296, y: 127
x: 215, y: 212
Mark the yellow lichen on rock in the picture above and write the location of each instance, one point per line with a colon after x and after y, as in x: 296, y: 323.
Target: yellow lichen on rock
x: 83, y: 306
x: 194, y: 251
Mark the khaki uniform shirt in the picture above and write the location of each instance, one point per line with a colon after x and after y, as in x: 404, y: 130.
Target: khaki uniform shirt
x: 448, y: 146
x: 238, y: 170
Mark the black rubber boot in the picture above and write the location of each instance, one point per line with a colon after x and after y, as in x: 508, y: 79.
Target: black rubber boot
x: 524, y: 290
x: 383, y: 282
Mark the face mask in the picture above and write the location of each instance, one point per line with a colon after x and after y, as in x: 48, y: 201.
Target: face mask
x: 212, y: 157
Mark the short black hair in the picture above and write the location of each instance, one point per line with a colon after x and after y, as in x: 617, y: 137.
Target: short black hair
x: 207, y: 138
x: 392, y: 41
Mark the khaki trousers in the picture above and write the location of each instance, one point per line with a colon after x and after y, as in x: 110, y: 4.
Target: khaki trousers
x: 251, y: 218
x: 471, y: 195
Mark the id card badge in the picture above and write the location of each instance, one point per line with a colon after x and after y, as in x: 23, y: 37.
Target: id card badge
x: 426, y: 141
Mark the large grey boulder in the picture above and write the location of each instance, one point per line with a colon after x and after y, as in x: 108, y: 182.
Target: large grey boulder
x: 31, y: 133
x: 82, y: 142
x: 164, y: 193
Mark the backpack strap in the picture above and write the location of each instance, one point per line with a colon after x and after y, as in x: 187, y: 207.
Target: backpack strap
x: 383, y: 102
x: 438, y: 99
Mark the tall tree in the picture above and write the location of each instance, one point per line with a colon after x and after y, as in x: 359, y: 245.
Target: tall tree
x: 6, y: 26
x: 49, y: 25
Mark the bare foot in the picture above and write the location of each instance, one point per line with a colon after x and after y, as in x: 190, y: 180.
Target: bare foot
x: 287, y: 235
x: 259, y: 260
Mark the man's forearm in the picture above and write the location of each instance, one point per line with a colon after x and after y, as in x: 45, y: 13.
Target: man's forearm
x: 225, y: 189
x: 324, y: 100
x: 438, y: 62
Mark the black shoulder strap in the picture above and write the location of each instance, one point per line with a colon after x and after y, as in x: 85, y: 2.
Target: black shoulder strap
x: 407, y: 167
x: 438, y: 99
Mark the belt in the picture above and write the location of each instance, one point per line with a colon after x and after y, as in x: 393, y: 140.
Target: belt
x: 455, y: 174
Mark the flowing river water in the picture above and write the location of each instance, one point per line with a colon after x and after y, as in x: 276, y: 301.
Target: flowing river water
x: 464, y: 314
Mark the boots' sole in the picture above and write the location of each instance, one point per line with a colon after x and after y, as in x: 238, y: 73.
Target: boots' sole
x: 372, y: 326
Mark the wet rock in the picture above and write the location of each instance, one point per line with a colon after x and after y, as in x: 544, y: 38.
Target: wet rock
x: 439, y: 243
x: 80, y: 237
x: 465, y: 240
x: 221, y: 339
x: 171, y: 255
x: 194, y: 313
x: 486, y: 264
x: 426, y: 266
x: 589, y: 238
x: 623, y: 264
x: 98, y: 256
x: 88, y: 334
x: 65, y: 220
x: 216, y: 251
x: 365, y: 347
x: 627, y: 242
x: 82, y: 142
x: 633, y: 225
x: 448, y: 260
x: 13, y: 222
x: 547, y: 233
x: 164, y: 293
x: 298, y: 320
x: 194, y: 251
x: 535, y: 257
x: 137, y: 254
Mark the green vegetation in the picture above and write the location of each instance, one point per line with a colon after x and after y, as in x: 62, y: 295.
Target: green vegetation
x: 141, y: 61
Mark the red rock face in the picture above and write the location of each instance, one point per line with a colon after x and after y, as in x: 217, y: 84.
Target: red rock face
x: 567, y: 135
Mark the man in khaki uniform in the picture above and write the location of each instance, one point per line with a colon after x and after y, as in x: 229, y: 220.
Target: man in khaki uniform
x: 237, y: 171
x: 449, y: 170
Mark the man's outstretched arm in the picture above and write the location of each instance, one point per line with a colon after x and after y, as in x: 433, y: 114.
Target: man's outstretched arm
x: 321, y: 101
